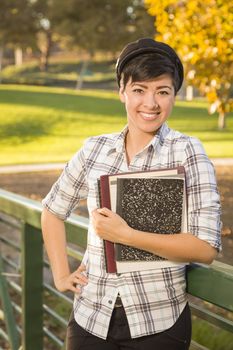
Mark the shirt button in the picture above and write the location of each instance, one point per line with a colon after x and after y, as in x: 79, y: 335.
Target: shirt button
x: 110, y: 301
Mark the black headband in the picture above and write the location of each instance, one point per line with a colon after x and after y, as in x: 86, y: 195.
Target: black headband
x: 147, y: 45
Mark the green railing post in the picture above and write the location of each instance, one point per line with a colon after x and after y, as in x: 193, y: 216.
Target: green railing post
x: 32, y: 288
x: 8, y: 311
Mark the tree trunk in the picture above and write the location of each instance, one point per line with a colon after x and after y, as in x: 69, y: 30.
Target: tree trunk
x: 221, y: 121
x: 1, y: 59
x: 81, y: 75
x: 45, y: 52
x: 18, y: 56
x: 189, y: 93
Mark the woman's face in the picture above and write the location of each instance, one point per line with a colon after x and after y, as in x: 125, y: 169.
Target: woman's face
x: 148, y: 104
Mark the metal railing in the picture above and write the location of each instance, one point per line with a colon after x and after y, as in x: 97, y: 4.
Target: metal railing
x: 34, y: 314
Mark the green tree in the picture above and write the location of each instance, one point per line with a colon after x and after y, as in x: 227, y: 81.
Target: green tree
x: 28, y: 23
x: 101, y: 25
x: 17, y: 24
x: 201, y: 32
x: 44, y: 34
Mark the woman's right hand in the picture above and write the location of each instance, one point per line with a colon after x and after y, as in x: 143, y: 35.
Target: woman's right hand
x: 73, y: 282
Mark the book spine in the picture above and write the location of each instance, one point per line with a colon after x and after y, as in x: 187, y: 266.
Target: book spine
x: 108, y: 246
x: 101, y: 205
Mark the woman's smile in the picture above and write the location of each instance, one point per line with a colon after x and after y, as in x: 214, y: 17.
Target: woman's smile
x: 149, y: 116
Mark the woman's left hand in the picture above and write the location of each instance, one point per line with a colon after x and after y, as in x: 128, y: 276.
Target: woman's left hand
x: 111, y: 226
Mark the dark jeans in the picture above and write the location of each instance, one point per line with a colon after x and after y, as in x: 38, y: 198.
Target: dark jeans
x: 177, y: 337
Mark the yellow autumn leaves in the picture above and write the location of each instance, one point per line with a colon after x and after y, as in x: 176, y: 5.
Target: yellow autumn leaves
x: 202, y: 33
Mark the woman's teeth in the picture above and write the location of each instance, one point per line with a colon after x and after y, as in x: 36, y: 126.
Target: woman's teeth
x: 149, y: 116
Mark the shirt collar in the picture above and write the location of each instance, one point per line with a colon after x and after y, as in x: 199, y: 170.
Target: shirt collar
x: 118, y: 144
x: 161, y: 134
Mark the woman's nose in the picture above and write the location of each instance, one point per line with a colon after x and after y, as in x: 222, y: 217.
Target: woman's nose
x: 151, y: 101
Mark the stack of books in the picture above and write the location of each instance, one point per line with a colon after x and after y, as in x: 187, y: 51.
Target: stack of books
x: 149, y: 201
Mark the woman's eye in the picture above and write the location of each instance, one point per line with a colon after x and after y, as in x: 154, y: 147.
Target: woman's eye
x: 163, y: 92
x: 138, y: 91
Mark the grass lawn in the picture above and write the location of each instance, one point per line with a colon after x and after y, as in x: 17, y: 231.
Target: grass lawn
x: 211, y: 336
x: 42, y: 124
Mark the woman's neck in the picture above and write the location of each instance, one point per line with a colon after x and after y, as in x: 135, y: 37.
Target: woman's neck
x: 133, y: 145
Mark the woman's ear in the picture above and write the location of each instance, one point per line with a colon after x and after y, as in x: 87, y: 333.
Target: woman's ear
x: 121, y: 94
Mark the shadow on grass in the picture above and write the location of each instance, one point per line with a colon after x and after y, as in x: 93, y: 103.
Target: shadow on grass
x: 25, y: 130
x: 95, y: 109
x: 58, y: 101
x: 28, y: 129
x: 86, y: 112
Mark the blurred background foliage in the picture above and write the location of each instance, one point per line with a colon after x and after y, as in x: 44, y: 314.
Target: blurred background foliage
x: 36, y: 32
x: 202, y: 33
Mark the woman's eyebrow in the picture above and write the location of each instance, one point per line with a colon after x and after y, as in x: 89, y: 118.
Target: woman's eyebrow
x: 140, y: 84
x: 157, y: 88
x: 164, y: 87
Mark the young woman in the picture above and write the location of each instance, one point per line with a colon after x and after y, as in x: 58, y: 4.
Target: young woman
x: 146, y: 309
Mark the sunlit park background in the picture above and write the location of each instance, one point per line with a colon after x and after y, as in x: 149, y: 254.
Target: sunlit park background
x: 57, y: 79
x: 60, y: 56
x: 41, y: 124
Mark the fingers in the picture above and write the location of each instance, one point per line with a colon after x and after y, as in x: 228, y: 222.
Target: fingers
x: 101, y: 217
x: 97, y: 220
x: 104, y: 211
x: 75, y: 281
x: 97, y: 213
x: 79, y: 277
x: 79, y: 273
x: 81, y: 268
x: 75, y: 289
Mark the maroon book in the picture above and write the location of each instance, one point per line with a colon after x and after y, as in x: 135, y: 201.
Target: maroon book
x: 105, y: 202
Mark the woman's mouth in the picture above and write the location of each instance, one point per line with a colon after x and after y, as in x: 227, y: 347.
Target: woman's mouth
x: 149, y: 116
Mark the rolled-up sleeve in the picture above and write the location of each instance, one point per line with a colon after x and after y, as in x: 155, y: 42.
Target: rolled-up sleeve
x: 67, y: 191
x: 204, y: 208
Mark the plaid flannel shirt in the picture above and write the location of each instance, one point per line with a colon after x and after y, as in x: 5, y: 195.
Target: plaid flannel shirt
x: 153, y: 300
